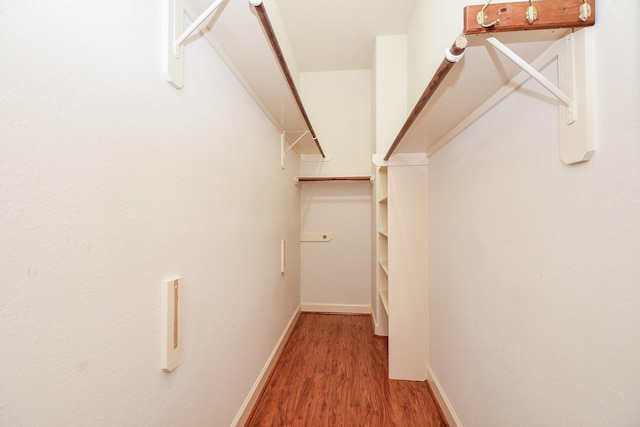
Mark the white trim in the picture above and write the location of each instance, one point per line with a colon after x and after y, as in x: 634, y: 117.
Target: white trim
x: 443, y: 401
x: 245, y: 410
x: 336, y: 308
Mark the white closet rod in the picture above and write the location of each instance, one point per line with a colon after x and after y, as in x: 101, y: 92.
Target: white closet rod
x: 194, y: 26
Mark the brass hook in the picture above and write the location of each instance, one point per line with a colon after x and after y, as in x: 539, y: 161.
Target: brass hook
x: 585, y: 11
x: 482, y: 17
x: 532, y: 13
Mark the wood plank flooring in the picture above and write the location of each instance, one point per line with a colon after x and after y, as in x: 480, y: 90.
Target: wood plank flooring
x: 333, y: 372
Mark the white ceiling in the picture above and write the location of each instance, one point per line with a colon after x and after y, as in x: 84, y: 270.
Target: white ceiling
x: 331, y: 35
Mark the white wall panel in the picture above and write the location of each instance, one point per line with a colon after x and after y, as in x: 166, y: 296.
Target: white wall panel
x: 533, y: 263
x: 112, y: 181
x: 336, y: 272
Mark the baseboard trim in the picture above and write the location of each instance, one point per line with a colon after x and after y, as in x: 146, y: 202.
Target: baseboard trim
x: 336, y: 308
x: 254, y: 394
x: 443, y: 401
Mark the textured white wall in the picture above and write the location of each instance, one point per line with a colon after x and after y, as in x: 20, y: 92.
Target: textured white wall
x: 336, y: 272
x: 390, y: 89
x: 111, y: 180
x: 534, y: 264
x: 339, y: 106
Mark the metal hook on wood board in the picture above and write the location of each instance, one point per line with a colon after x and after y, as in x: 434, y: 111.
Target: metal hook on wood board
x: 532, y: 13
x: 482, y: 17
x: 585, y: 11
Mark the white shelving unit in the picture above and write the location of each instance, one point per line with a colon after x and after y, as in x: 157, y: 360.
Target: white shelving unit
x: 382, y: 241
x: 402, y: 286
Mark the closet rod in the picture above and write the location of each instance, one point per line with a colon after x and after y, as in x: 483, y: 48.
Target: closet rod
x: 452, y: 56
x: 271, y: 36
x: 331, y: 178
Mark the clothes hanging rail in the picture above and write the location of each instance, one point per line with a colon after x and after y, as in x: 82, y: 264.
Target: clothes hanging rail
x: 356, y: 178
x: 452, y: 56
x: 277, y: 50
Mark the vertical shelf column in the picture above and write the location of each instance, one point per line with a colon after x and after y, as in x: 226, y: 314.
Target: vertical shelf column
x: 408, y: 273
x: 382, y: 242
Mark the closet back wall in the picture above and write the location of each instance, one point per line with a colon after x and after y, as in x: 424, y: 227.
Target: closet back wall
x: 336, y: 276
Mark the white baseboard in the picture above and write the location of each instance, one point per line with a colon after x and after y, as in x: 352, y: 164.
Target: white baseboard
x: 245, y: 411
x: 444, y: 403
x: 336, y: 308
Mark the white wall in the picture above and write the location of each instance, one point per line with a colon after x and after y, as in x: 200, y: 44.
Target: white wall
x: 111, y: 180
x: 338, y: 273
x: 339, y: 106
x: 390, y: 89
x: 534, y: 300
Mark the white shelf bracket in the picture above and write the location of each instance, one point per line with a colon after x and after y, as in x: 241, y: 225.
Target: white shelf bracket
x: 555, y: 91
x: 175, y: 36
x: 284, y: 149
x: 575, y: 90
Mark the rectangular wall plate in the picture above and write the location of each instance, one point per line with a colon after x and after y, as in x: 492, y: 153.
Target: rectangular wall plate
x: 316, y: 237
x: 171, y: 320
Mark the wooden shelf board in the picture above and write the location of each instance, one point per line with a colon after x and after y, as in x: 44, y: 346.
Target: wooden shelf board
x: 551, y: 14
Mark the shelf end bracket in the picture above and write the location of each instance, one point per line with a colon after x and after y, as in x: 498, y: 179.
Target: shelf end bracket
x: 555, y: 91
x: 175, y: 35
x: 284, y: 149
x: 575, y: 92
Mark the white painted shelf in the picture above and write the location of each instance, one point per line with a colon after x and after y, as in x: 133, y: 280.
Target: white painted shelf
x: 385, y: 266
x: 484, y: 76
x: 236, y: 34
x: 384, y: 297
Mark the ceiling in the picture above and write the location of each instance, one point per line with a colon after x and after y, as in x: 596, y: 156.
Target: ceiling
x: 332, y: 35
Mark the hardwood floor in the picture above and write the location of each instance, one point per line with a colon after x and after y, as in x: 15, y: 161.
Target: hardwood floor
x: 333, y: 372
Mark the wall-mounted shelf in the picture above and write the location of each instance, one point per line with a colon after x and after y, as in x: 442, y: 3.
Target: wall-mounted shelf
x: 485, y: 76
x: 254, y: 55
